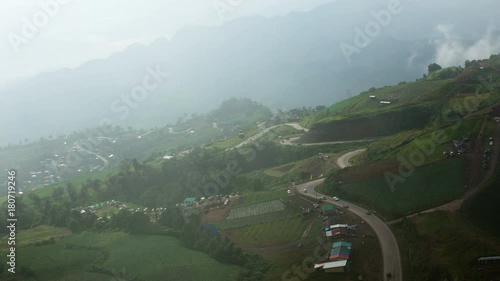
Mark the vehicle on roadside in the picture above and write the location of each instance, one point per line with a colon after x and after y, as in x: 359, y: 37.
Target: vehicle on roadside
x: 335, y: 198
x: 323, y: 198
x: 368, y: 212
x: 305, y: 190
x: 345, y: 206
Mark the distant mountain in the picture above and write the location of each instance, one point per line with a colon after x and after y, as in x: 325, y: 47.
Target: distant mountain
x: 288, y: 61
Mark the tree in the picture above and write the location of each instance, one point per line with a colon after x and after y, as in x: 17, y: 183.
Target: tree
x: 73, y: 195
x: 433, y: 67
x: 57, y: 194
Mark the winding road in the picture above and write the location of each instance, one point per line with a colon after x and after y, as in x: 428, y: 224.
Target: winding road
x: 343, y: 161
x: 388, y: 243
x: 261, y: 133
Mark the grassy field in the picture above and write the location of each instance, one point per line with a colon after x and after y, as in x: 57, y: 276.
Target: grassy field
x: 281, y: 132
x: 233, y: 141
x: 482, y: 208
x: 427, y: 187
x: 278, y: 243
x: 280, y: 171
x: 77, y: 182
x: 37, y: 234
x: 262, y: 196
x: 257, y: 209
x: 288, y: 230
x: 441, y: 246
x: 270, y: 217
x: 363, y: 103
x: 147, y: 257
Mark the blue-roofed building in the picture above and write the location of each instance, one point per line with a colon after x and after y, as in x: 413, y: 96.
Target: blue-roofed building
x: 188, y: 201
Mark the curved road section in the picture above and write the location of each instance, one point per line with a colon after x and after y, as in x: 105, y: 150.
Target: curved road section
x: 388, y: 243
x: 343, y: 161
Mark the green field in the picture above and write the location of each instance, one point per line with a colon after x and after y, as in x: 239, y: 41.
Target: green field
x: 270, y: 217
x: 268, y: 233
x: 427, y: 187
x: 482, y: 208
x: 147, y: 257
x: 281, y: 132
x: 256, y: 209
x: 442, y: 246
x: 37, y: 234
x: 280, y: 171
x: 233, y: 141
x: 263, y: 196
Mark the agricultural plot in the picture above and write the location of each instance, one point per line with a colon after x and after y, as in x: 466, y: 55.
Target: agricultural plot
x: 257, y: 209
x: 427, y: 187
x: 147, y: 257
x: 267, y: 218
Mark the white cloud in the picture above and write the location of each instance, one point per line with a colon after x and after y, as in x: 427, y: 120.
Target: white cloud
x: 450, y: 51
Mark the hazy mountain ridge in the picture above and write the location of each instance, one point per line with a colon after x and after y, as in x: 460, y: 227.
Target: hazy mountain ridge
x: 287, y: 61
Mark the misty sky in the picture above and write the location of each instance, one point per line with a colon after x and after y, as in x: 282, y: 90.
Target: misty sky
x: 81, y: 30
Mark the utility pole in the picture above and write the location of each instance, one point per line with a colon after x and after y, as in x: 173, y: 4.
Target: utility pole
x: 349, y: 94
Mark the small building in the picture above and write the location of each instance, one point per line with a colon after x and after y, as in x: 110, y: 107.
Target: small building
x: 188, y: 201
x: 168, y: 157
x: 336, y: 233
x: 333, y: 267
x: 328, y: 210
x: 340, y: 251
x: 489, y: 260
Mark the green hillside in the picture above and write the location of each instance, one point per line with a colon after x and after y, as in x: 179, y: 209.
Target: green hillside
x: 426, y: 103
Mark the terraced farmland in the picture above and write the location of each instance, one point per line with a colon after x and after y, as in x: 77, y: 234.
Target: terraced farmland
x: 257, y: 209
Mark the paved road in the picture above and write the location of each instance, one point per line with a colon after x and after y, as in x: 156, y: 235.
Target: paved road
x: 388, y: 243
x: 291, y: 142
x: 103, y: 159
x: 343, y: 161
x: 261, y: 133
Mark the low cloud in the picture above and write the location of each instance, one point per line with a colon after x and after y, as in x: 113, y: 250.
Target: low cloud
x: 452, y: 52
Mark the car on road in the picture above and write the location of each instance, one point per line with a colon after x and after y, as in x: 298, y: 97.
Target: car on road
x: 323, y: 198
x: 335, y: 198
x: 345, y: 206
x: 305, y: 190
x: 368, y: 213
